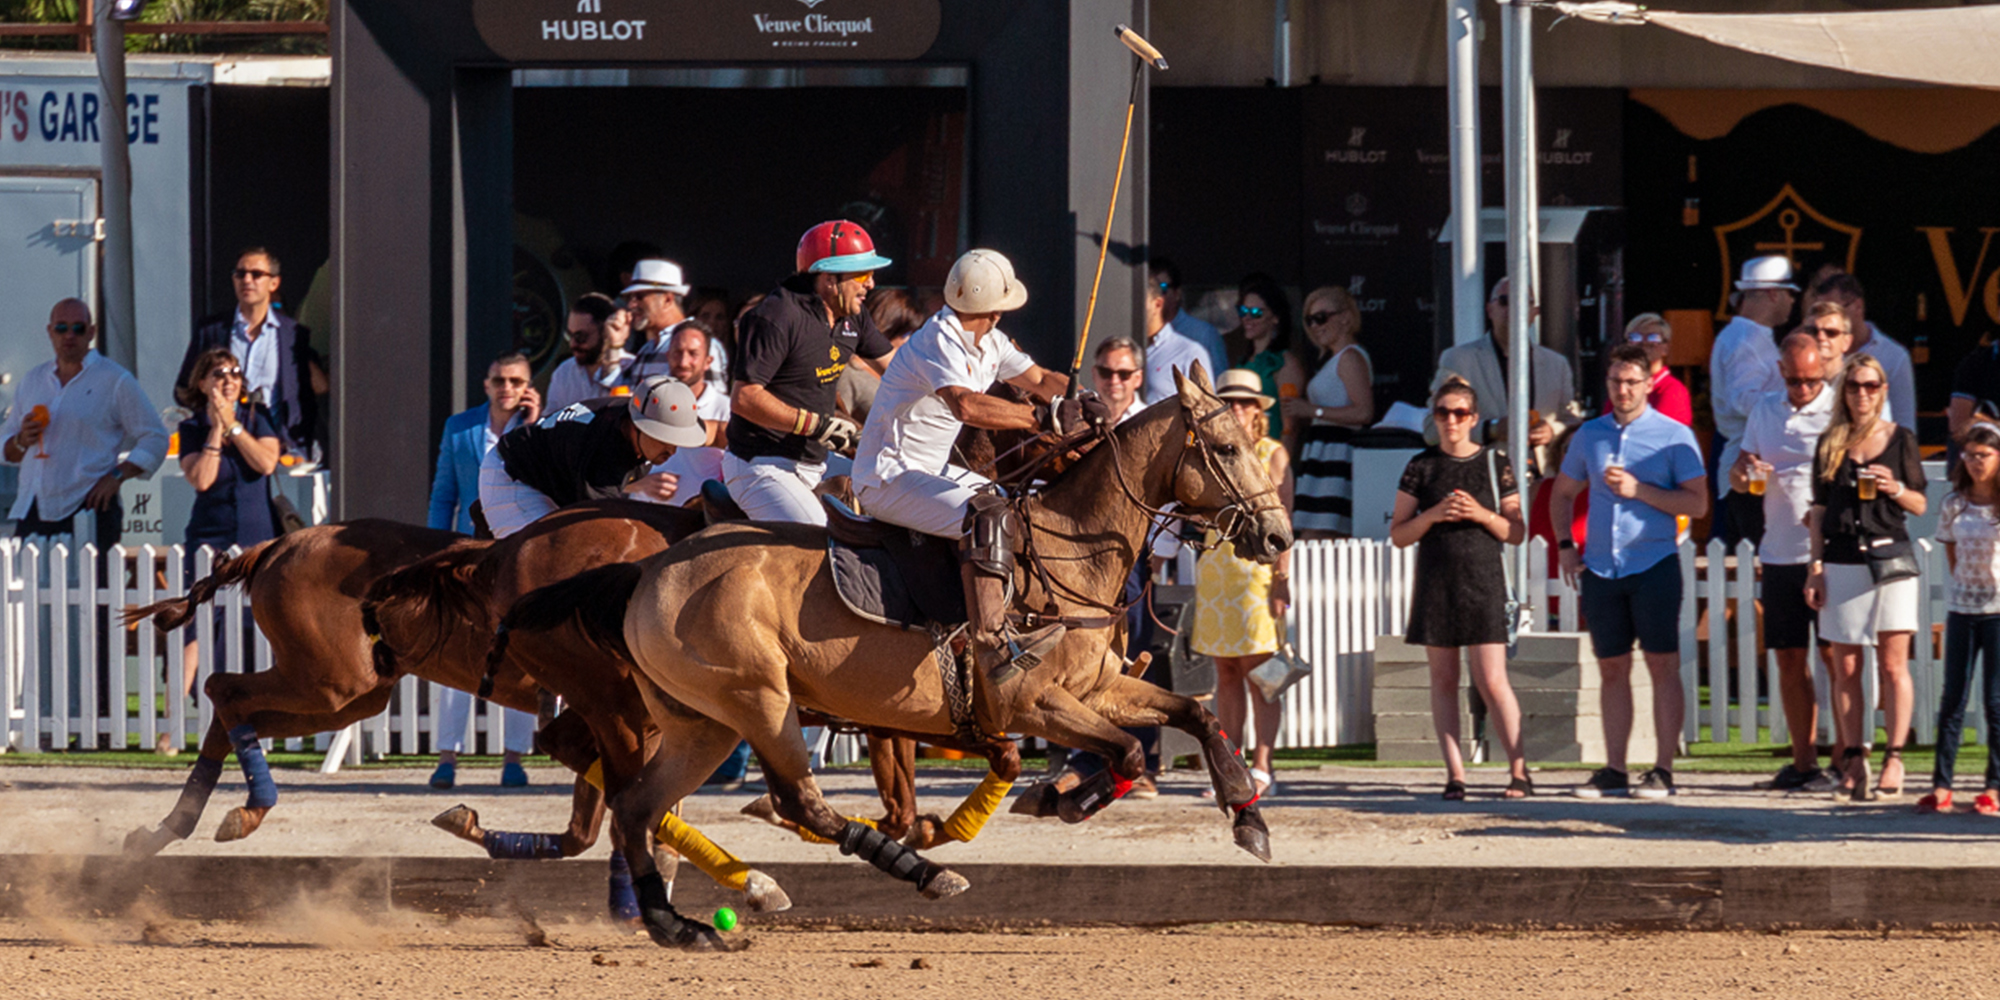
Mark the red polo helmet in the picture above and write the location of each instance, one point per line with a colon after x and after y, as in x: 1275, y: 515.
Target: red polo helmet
x: 838, y: 247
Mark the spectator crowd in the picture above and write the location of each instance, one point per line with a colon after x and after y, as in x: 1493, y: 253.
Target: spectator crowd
x: 1811, y: 456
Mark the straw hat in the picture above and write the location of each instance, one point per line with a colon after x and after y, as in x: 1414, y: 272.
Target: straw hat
x: 1242, y: 383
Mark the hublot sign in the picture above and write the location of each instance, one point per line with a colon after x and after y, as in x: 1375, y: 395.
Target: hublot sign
x: 610, y: 31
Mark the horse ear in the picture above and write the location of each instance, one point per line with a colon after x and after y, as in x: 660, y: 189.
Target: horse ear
x: 1193, y: 384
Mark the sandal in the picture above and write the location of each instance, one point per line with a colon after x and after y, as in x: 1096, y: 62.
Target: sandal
x: 1854, y: 760
x: 1987, y: 804
x: 1454, y: 791
x: 1891, y: 754
x: 1519, y: 788
x: 1938, y: 801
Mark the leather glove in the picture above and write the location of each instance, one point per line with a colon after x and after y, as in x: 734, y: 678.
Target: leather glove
x: 838, y: 432
x: 1095, y: 411
x: 1068, y: 415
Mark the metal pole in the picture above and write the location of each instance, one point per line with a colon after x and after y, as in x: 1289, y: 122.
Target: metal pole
x: 117, y: 325
x: 1468, y: 289
x: 1517, y: 84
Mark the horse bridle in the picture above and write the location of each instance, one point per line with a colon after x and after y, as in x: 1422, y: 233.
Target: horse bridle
x: 1233, y: 518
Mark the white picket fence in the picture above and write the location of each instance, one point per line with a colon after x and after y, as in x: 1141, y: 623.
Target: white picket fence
x: 60, y: 691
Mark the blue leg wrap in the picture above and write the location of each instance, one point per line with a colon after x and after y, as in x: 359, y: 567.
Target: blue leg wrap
x: 624, y: 900
x: 523, y: 846
x: 250, y: 753
x: 194, y: 797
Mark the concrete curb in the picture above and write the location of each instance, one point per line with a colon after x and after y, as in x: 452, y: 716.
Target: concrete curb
x: 850, y: 894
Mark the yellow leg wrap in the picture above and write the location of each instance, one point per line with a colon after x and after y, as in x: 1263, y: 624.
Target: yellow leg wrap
x: 595, y: 775
x: 725, y: 868
x: 971, y: 815
x: 813, y: 838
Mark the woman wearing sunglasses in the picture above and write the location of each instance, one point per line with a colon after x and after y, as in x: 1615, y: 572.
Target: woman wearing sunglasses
x: 1265, y: 318
x: 1458, y: 504
x: 1339, y: 401
x: 1867, y: 479
x: 227, y: 449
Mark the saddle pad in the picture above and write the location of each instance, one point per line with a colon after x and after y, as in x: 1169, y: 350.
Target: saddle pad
x: 911, y: 581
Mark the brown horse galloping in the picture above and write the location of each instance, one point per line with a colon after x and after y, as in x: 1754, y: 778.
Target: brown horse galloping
x: 736, y: 628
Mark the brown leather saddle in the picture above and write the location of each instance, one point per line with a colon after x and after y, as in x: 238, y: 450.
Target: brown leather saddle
x: 892, y: 575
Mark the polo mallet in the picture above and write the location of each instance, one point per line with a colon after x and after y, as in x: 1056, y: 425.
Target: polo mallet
x: 1146, y: 53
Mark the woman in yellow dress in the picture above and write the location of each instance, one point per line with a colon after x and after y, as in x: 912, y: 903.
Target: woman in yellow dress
x: 1239, y: 604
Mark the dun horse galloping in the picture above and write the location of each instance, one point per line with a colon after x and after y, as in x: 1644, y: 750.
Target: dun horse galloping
x: 737, y: 628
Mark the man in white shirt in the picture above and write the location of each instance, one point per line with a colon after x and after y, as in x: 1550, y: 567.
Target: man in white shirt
x: 1166, y: 278
x: 687, y: 360
x: 595, y: 365
x: 70, y: 420
x: 1845, y: 289
x: 1742, y: 369
x: 1779, y: 439
x: 1485, y: 366
x: 1117, y: 372
x: 1167, y: 349
x: 935, y: 385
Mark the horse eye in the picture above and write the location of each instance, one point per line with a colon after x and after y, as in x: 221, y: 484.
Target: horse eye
x: 1226, y: 450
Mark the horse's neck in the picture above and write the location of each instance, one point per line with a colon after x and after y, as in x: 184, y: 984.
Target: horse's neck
x: 1085, y: 524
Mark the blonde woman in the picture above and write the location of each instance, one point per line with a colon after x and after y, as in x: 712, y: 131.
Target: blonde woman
x: 1339, y: 400
x: 1239, y: 604
x: 1867, y: 479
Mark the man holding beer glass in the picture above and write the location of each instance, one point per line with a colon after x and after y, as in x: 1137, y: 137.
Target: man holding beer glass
x: 1779, y: 438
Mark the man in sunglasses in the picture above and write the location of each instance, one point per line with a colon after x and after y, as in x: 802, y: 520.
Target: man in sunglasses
x: 792, y: 348
x: 1742, y: 369
x: 1779, y: 439
x: 1117, y: 373
x: 1167, y: 349
x: 70, y: 419
x: 595, y: 365
x: 1484, y: 365
x: 275, y: 350
x: 1166, y: 276
x: 653, y: 297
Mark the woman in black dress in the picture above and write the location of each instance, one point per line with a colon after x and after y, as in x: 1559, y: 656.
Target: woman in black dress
x: 1458, y: 500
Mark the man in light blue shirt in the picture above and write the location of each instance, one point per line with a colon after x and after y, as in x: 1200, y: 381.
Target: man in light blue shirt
x: 1166, y: 276
x: 1643, y: 469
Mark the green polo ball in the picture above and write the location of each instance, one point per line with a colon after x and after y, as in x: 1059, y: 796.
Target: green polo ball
x: 725, y: 919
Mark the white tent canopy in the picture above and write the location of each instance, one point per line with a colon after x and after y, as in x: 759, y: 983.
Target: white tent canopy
x: 1953, y: 46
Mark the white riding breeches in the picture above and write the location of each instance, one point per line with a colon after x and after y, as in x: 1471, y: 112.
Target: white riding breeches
x: 507, y: 505
x: 454, y: 715
x: 932, y: 504
x: 769, y: 488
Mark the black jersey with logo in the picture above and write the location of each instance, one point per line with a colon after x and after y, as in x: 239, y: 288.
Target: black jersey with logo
x: 786, y: 346
x: 578, y: 453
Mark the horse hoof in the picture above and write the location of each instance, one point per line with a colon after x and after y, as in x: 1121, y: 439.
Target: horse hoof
x: 945, y: 884
x: 1251, y: 833
x: 144, y: 843
x: 764, y: 810
x: 671, y: 930
x: 761, y: 894
x: 238, y: 824
x: 1039, y: 801
x: 460, y: 821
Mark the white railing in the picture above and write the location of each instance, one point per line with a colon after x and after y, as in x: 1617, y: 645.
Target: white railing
x: 59, y: 690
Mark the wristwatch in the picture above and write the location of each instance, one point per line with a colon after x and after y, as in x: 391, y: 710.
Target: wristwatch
x: 1565, y: 545
x: 235, y: 429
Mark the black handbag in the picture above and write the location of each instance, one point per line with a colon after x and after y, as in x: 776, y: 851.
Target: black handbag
x: 1890, y: 560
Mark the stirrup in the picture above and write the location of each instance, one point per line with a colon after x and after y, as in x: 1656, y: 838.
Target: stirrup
x: 1026, y: 652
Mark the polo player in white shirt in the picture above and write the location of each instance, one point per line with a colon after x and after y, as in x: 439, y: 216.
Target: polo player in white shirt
x: 935, y: 385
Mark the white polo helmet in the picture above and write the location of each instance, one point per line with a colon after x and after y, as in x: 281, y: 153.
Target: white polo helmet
x: 663, y: 409
x: 983, y: 281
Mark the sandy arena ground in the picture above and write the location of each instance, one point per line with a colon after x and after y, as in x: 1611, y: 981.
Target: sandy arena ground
x: 1328, y: 816
x: 328, y: 954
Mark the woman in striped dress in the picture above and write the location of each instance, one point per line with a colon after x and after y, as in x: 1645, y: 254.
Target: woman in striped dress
x: 1339, y: 401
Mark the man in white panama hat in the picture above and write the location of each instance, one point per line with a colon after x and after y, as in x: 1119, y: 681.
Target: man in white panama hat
x: 1742, y: 369
x: 935, y: 385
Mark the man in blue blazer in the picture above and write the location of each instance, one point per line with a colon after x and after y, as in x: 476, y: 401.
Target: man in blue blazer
x: 275, y: 351
x: 511, y: 401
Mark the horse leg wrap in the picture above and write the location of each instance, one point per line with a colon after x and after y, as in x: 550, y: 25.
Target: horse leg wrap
x: 256, y: 773
x: 971, y: 815
x: 624, y: 901
x: 664, y: 924
x: 1090, y: 796
x: 194, y: 797
x: 875, y: 847
x: 523, y: 846
x: 725, y: 868
x: 813, y: 838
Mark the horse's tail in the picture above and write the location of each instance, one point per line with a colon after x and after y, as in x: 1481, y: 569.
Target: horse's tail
x: 438, y: 588
x: 595, y: 599
x: 175, y: 612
